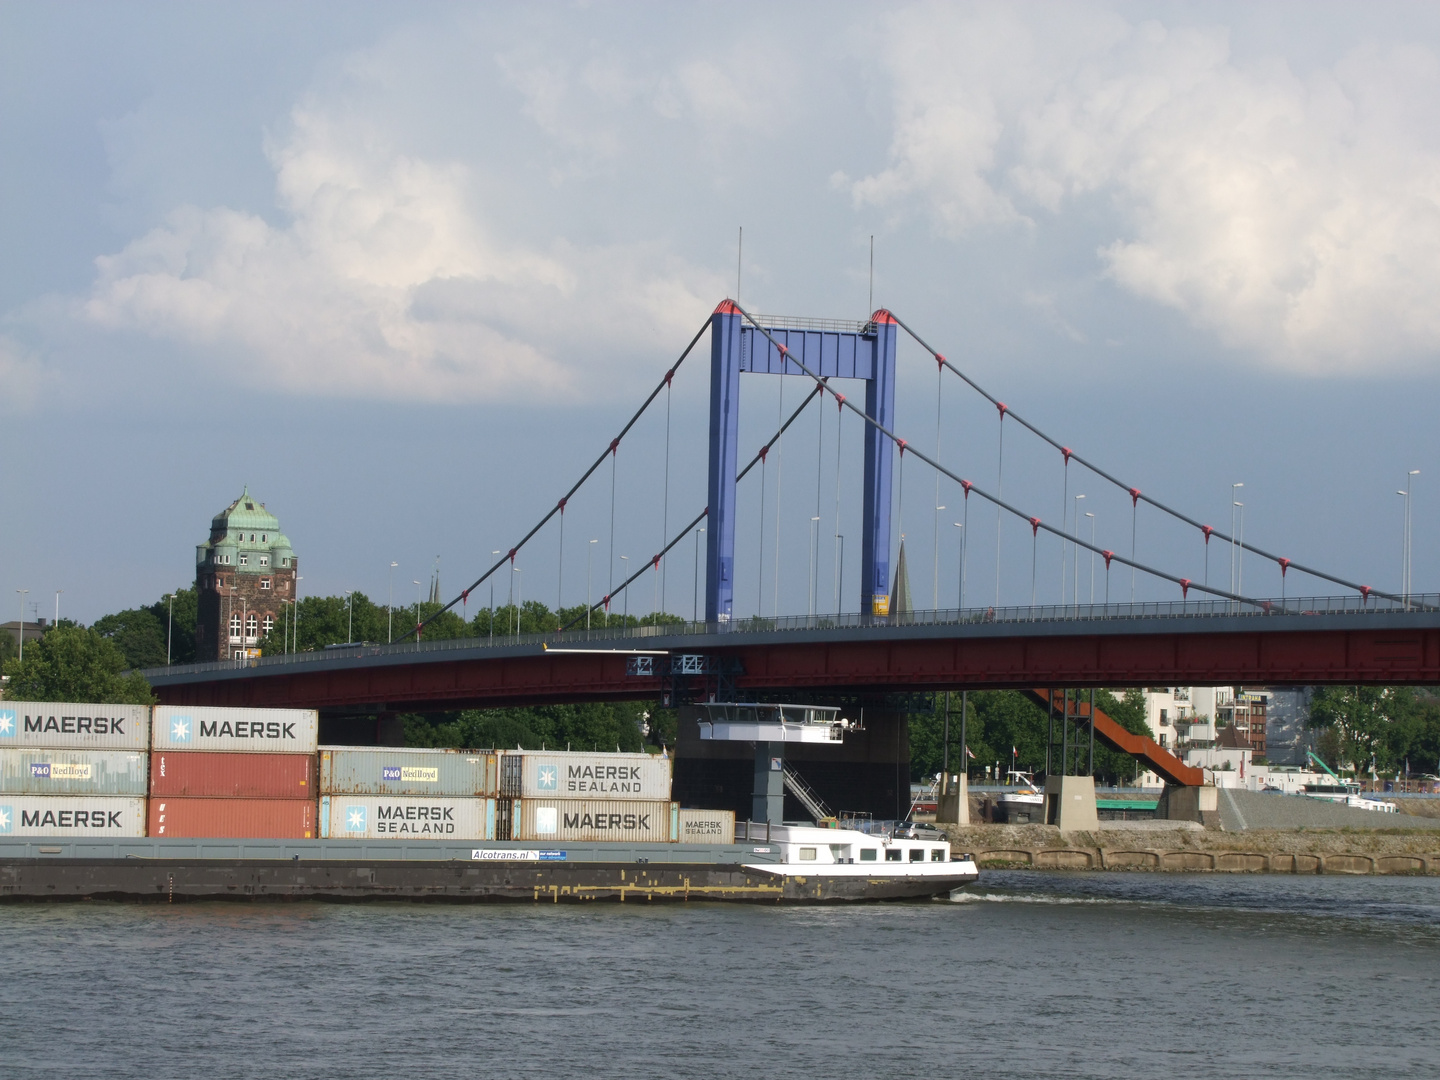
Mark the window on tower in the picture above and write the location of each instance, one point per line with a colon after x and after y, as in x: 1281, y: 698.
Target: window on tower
x: 251, y: 625
x: 264, y: 560
x: 235, y: 627
x: 268, y: 623
x: 244, y: 560
x: 264, y: 583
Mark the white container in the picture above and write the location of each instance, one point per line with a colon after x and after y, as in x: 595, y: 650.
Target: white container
x: 48, y: 771
x: 254, y: 731
x: 634, y: 777
x: 406, y: 817
x: 706, y: 827
x: 586, y: 820
x: 71, y: 816
x: 67, y: 725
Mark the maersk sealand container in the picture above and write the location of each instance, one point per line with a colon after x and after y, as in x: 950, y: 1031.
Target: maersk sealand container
x: 50, y: 771
x: 77, y: 726
x: 556, y: 775
x: 67, y: 817
x: 255, y: 731
x: 382, y: 770
x: 407, y: 817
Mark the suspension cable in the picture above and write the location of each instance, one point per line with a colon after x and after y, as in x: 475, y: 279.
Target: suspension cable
x: 681, y: 535
x: 1133, y: 492
x: 664, y: 382
x: 1185, y: 583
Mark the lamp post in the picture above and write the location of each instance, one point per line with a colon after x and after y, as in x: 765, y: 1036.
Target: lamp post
x: 492, y: 602
x: 295, y: 608
x: 515, y: 577
x: 1092, y: 556
x: 961, y: 598
x: 695, y: 594
x: 1234, y: 489
x: 57, y: 604
x: 1405, y: 547
x: 625, y: 576
x: 1240, y: 562
x: 390, y: 604
x: 935, y: 599
x: 1075, y: 532
x: 169, y: 632
x: 23, y: 593
x: 589, y: 565
x: 814, y: 551
x: 350, y: 617
x: 417, y: 611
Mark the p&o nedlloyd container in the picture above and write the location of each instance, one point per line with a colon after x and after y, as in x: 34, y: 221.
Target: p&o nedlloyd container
x: 269, y: 819
x: 74, y: 726
x: 203, y: 774
x: 72, y: 816
x: 49, y: 771
x: 589, y: 820
x: 380, y: 770
x: 374, y: 817
x: 554, y: 775
x: 255, y: 731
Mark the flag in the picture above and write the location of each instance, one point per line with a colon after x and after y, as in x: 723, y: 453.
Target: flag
x: 969, y: 753
x: 1014, y: 752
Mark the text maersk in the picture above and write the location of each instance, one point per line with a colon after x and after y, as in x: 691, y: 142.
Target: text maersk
x: 603, y: 822
x: 75, y: 725
x: 246, y: 729
x: 70, y: 819
x: 428, y: 820
x: 603, y: 780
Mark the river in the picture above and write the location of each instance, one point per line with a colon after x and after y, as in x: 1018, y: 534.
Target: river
x: 1027, y: 974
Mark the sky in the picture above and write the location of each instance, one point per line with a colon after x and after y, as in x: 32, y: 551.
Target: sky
x: 405, y: 270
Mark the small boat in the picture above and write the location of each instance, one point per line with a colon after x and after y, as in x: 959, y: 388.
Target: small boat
x: 877, y: 860
x: 1026, y: 804
x: 1348, y: 794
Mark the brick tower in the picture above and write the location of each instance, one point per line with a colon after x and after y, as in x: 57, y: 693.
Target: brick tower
x: 245, y: 578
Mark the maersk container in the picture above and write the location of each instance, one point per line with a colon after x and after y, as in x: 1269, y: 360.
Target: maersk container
x: 113, y: 817
x: 203, y: 774
x: 254, y: 731
x: 69, y: 725
x: 706, y: 827
x: 589, y: 820
x: 49, y: 771
x: 381, y: 770
x: 377, y: 817
x: 551, y: 775
x: 249, y: 819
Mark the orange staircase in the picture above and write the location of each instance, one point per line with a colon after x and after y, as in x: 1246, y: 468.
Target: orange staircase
x: 1156, y: 758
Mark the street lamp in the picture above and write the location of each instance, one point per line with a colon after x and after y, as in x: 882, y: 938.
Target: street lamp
x: 1234, y: 488
x: 935, y: 598
x: 814, y: 552
x: 695, y: 594
x: 390, y: 603
x: 350, y: 617
x: 1092, y: 556
x: 589, y: 565
x: 57, y: 604
x: 625, y: 576
x: 417, y: 611
x: 1075, y: 532
x: 169, y: 633
x: 961, y: 526
x: 514, y: 577
x: 1240, y: 563
x: 23, y: 593
x: 1405, y: 547
x: 492, y: 602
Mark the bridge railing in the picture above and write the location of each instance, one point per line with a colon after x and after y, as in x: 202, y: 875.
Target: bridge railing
x: 1051, y: 613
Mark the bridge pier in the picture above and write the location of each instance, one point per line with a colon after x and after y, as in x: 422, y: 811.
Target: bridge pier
x: 1070, y: 803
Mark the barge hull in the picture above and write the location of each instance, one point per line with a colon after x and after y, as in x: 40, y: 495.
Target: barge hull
x: 254, y: 880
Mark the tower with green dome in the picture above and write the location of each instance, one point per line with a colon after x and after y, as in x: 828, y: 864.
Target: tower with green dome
x: 245, y: 577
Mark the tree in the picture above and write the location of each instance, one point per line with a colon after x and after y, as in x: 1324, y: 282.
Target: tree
x: 594, y: 726
x: 143, y: 634
x: 75, y: 663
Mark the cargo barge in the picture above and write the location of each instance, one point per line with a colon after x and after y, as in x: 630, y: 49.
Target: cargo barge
x: 800, y: 865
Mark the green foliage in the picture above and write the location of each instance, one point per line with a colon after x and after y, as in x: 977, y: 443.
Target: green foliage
x: 73, y: 663
x: 602, y: 726
x: 1379, y: 726
x: 140, y: 633
x: 1002, y: 719
x: 8, y: 648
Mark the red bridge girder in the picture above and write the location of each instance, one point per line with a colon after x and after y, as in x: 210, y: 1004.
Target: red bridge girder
x: 890, y: 659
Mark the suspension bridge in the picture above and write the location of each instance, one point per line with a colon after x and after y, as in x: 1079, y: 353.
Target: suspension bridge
x: 873, y: 640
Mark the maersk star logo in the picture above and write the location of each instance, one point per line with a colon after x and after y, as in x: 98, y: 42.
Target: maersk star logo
x: 7, y: 818
x: 180, y: 729
x: 7, y: 723
x: 355, y: 819
x: 547, y: 778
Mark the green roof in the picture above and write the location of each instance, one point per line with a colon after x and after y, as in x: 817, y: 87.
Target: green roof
x: 245, y: 525
x: 246, y: 512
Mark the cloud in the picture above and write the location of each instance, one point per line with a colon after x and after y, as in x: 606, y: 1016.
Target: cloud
x: 21, y: 375
x: 385, y: 282
x: 1296, y: 218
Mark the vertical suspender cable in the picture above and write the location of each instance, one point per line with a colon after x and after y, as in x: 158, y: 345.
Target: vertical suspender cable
x: 1064, y: 516
x: 1134, y: 525
x: 935, y: 576
x: 999, y: 494
x: 760, y: 570
x: 839, y: 540
x: 779, y: 502
x: 610, y: 589
x: 665, y: 511
x: 560, y: 565
x: 819, y: 475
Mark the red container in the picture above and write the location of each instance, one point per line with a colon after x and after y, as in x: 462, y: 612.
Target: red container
x: 249, y: 819
x: 199, y: 774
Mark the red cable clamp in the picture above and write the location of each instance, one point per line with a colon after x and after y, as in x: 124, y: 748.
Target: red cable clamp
x: 901, y: 443
x: 940, y: 359
x: 1265, y: 606
x: 465, y: 597
x: 1284, y: 565
x: 669, y: 375
x: 512, y: 555
x: 1034, y: 527
x: 1066, y: 451
x: 764, y: 452
x: 1364, y: 593
x: 967, y: 485
x: 1207, y: 530
x: 656, y: 561
x: 1134, y: 497
x: 614, y: 444
x: 562, y: 505
x: 1184, y: 588
x: 1003, y: 409
x: 839, y: 401
x: 1108, y: 556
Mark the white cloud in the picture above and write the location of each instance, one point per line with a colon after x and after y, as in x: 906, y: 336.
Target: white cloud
x: 21, y: 375
x: 385, y: 282
x: 1296, y: 218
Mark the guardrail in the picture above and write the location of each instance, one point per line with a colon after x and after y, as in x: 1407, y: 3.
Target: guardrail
x: 1428, y: 603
